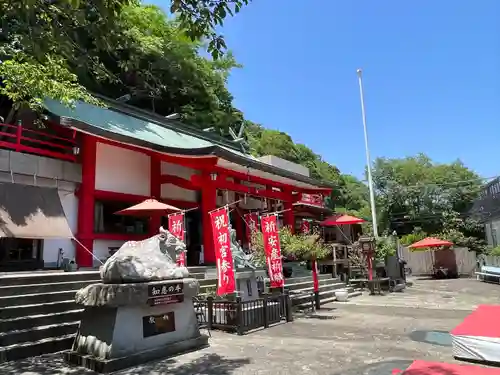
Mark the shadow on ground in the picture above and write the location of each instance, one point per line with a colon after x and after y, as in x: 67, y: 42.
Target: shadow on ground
x: 209, y: 364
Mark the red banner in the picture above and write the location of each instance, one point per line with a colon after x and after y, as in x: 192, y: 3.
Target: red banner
x: 305, y: 227
x: 222, y: 244
x: 251, y: 221
x: 272, y: 249
x: 176, y: 227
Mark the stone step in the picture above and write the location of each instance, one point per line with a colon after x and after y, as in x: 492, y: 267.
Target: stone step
x: 293, y: 280
x: 31, y: 321
x: 310, y: 284
x: 28, y: 299
x: 197, y: 275
x: 325, y: 296
x: 334, y: 299
x: 36, y: 348
x: 16, y: 290
x: 47, y: 277
x: 11, y: 312
x: 37, y: 333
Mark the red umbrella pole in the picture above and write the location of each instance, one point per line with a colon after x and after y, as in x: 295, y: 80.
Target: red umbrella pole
x: 314, y: 265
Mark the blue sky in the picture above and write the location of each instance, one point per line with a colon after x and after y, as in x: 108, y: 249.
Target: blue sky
x: 431, y: 77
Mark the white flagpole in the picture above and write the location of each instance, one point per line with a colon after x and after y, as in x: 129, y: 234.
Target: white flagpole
x: 368, y: 160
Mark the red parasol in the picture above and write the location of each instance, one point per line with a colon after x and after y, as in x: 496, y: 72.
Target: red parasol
x: 341, y: 220
x: 149, y: 207
x: 430, y: 242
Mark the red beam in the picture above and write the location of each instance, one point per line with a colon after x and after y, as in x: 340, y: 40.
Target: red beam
x: 195, y: 162
x: 265, y: 181
x: 178, y: 181
x: 121, y: 236
x: 134, y: 198
x: 243, y: 189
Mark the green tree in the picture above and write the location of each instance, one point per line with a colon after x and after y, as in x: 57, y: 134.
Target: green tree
x: 415, y: 192
x: 69, y: 50
x: 200, y: 18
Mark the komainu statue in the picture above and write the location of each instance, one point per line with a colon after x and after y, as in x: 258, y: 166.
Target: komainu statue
x: 240, y: 259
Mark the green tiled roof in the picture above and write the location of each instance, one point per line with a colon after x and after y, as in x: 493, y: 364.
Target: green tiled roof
x: 125, y: 125
x: 132, y: 125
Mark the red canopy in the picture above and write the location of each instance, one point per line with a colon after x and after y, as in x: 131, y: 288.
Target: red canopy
x: 341, y: 220
x: 430, y: 242
x: 149, y: 207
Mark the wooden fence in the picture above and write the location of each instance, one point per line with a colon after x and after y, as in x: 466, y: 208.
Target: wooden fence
x: 422, y: 262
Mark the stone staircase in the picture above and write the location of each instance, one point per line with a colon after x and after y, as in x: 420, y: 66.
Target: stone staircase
x: 38, y: 314
x: 303, y: 287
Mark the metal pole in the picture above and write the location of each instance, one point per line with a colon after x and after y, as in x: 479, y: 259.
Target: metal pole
x: 368, y: 160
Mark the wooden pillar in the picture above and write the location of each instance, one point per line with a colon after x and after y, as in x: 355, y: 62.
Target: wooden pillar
x: 86, y: 203
x: 238, y: 219
x: 208, y: 203
x: 155, y: 191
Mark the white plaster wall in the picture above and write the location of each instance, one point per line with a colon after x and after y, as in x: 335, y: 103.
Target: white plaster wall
x: 122, y: 171
x: 170, y: 191
x: 101, y: 248
x: 51, y: 246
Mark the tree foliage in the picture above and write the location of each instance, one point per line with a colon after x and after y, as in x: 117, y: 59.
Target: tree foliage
x: 300, y: 246
x: 199, y: 19
x: 416, y: 192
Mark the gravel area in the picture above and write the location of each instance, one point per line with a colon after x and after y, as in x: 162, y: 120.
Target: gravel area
x: 371, y: 335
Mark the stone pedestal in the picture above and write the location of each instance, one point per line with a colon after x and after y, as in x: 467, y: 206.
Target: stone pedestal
x: 127, y: 324
x: 246, y: 281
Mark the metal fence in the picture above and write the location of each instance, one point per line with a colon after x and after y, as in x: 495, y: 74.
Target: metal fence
x: 242, y: 316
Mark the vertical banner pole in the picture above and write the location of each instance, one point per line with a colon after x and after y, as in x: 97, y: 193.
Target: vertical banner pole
x: 306, y: 229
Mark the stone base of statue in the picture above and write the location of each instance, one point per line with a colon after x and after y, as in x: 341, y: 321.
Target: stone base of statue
x: 138, y: 314
x: 124, y: 325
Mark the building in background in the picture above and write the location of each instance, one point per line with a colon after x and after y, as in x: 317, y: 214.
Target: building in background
x: 487, y: 209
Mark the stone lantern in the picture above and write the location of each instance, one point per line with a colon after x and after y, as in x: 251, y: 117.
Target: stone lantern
x: 368, y: 247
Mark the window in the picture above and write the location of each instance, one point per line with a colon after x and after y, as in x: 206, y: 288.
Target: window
x: 19, y: 250
x: 105, y: 220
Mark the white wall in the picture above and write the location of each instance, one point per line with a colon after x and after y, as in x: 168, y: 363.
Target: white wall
x: 122, y: 171
x: 284, y: 164
x: 493, y: 232
x: 101, y: 249
x: 170, y: 191
x: 51, y: 246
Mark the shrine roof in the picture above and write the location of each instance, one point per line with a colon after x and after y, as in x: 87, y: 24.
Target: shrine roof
x: 127, y: 124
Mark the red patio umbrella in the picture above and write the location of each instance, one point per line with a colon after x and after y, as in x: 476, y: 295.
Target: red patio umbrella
x: 430, y: 242
x: 149, y: 207
x: 341, y: 220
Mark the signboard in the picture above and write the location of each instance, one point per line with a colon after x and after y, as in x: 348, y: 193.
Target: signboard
x: 222, y: 243
x: 163, y: 294
x: 272, y: 249
x: 312, y: 199
x: 153, y: 325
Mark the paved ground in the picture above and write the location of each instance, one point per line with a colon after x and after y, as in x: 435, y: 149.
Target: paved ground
x: 371, y: 335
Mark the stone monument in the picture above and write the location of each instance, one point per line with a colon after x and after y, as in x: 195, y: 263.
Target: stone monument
x: 141, y: 311
x: 245, y: 272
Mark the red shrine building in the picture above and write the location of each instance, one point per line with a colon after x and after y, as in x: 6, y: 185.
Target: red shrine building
x: 98, y: 161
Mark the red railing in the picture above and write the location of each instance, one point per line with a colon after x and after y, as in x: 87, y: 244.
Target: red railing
x: 23, y: 139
